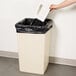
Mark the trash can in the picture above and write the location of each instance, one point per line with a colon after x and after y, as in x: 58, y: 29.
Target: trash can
x: 34, y: 44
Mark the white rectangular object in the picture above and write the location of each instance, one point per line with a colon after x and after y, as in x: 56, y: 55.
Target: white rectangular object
x: 43, y: 10
x: 34, y: 52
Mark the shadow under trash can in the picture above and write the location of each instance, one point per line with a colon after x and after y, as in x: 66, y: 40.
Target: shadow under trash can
x: 34, y: 44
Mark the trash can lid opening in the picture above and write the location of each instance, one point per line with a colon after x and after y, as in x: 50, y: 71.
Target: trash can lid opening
x: 31, y: 25
x: 32, y: 21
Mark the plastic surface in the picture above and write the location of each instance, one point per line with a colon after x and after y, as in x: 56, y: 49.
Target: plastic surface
x: 42, y: 12
x: 35, y: 26
x: 34, y: 52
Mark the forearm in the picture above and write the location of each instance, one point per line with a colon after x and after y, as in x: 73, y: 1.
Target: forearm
x: 66, y: 3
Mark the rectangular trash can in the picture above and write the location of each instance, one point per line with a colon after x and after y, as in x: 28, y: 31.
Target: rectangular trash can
x: 34, y: 39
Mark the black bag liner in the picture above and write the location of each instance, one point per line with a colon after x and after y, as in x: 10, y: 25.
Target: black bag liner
x: 35, y: 26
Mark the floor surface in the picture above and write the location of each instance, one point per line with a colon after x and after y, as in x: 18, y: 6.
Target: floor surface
x: 10, y: 67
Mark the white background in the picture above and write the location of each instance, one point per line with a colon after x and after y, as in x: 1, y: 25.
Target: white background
x: 63, y: 42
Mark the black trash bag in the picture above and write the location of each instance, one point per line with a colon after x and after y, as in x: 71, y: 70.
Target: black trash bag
x: 30, y: 25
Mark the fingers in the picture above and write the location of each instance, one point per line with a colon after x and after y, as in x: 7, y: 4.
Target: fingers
x: 52, y: 7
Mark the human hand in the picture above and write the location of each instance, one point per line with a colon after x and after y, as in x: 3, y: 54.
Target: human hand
x: 53, y: 7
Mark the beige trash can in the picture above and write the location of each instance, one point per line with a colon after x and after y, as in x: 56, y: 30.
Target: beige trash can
x: 34, y: 49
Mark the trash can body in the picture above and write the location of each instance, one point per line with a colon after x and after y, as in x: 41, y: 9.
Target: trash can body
x: 34, y: 51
